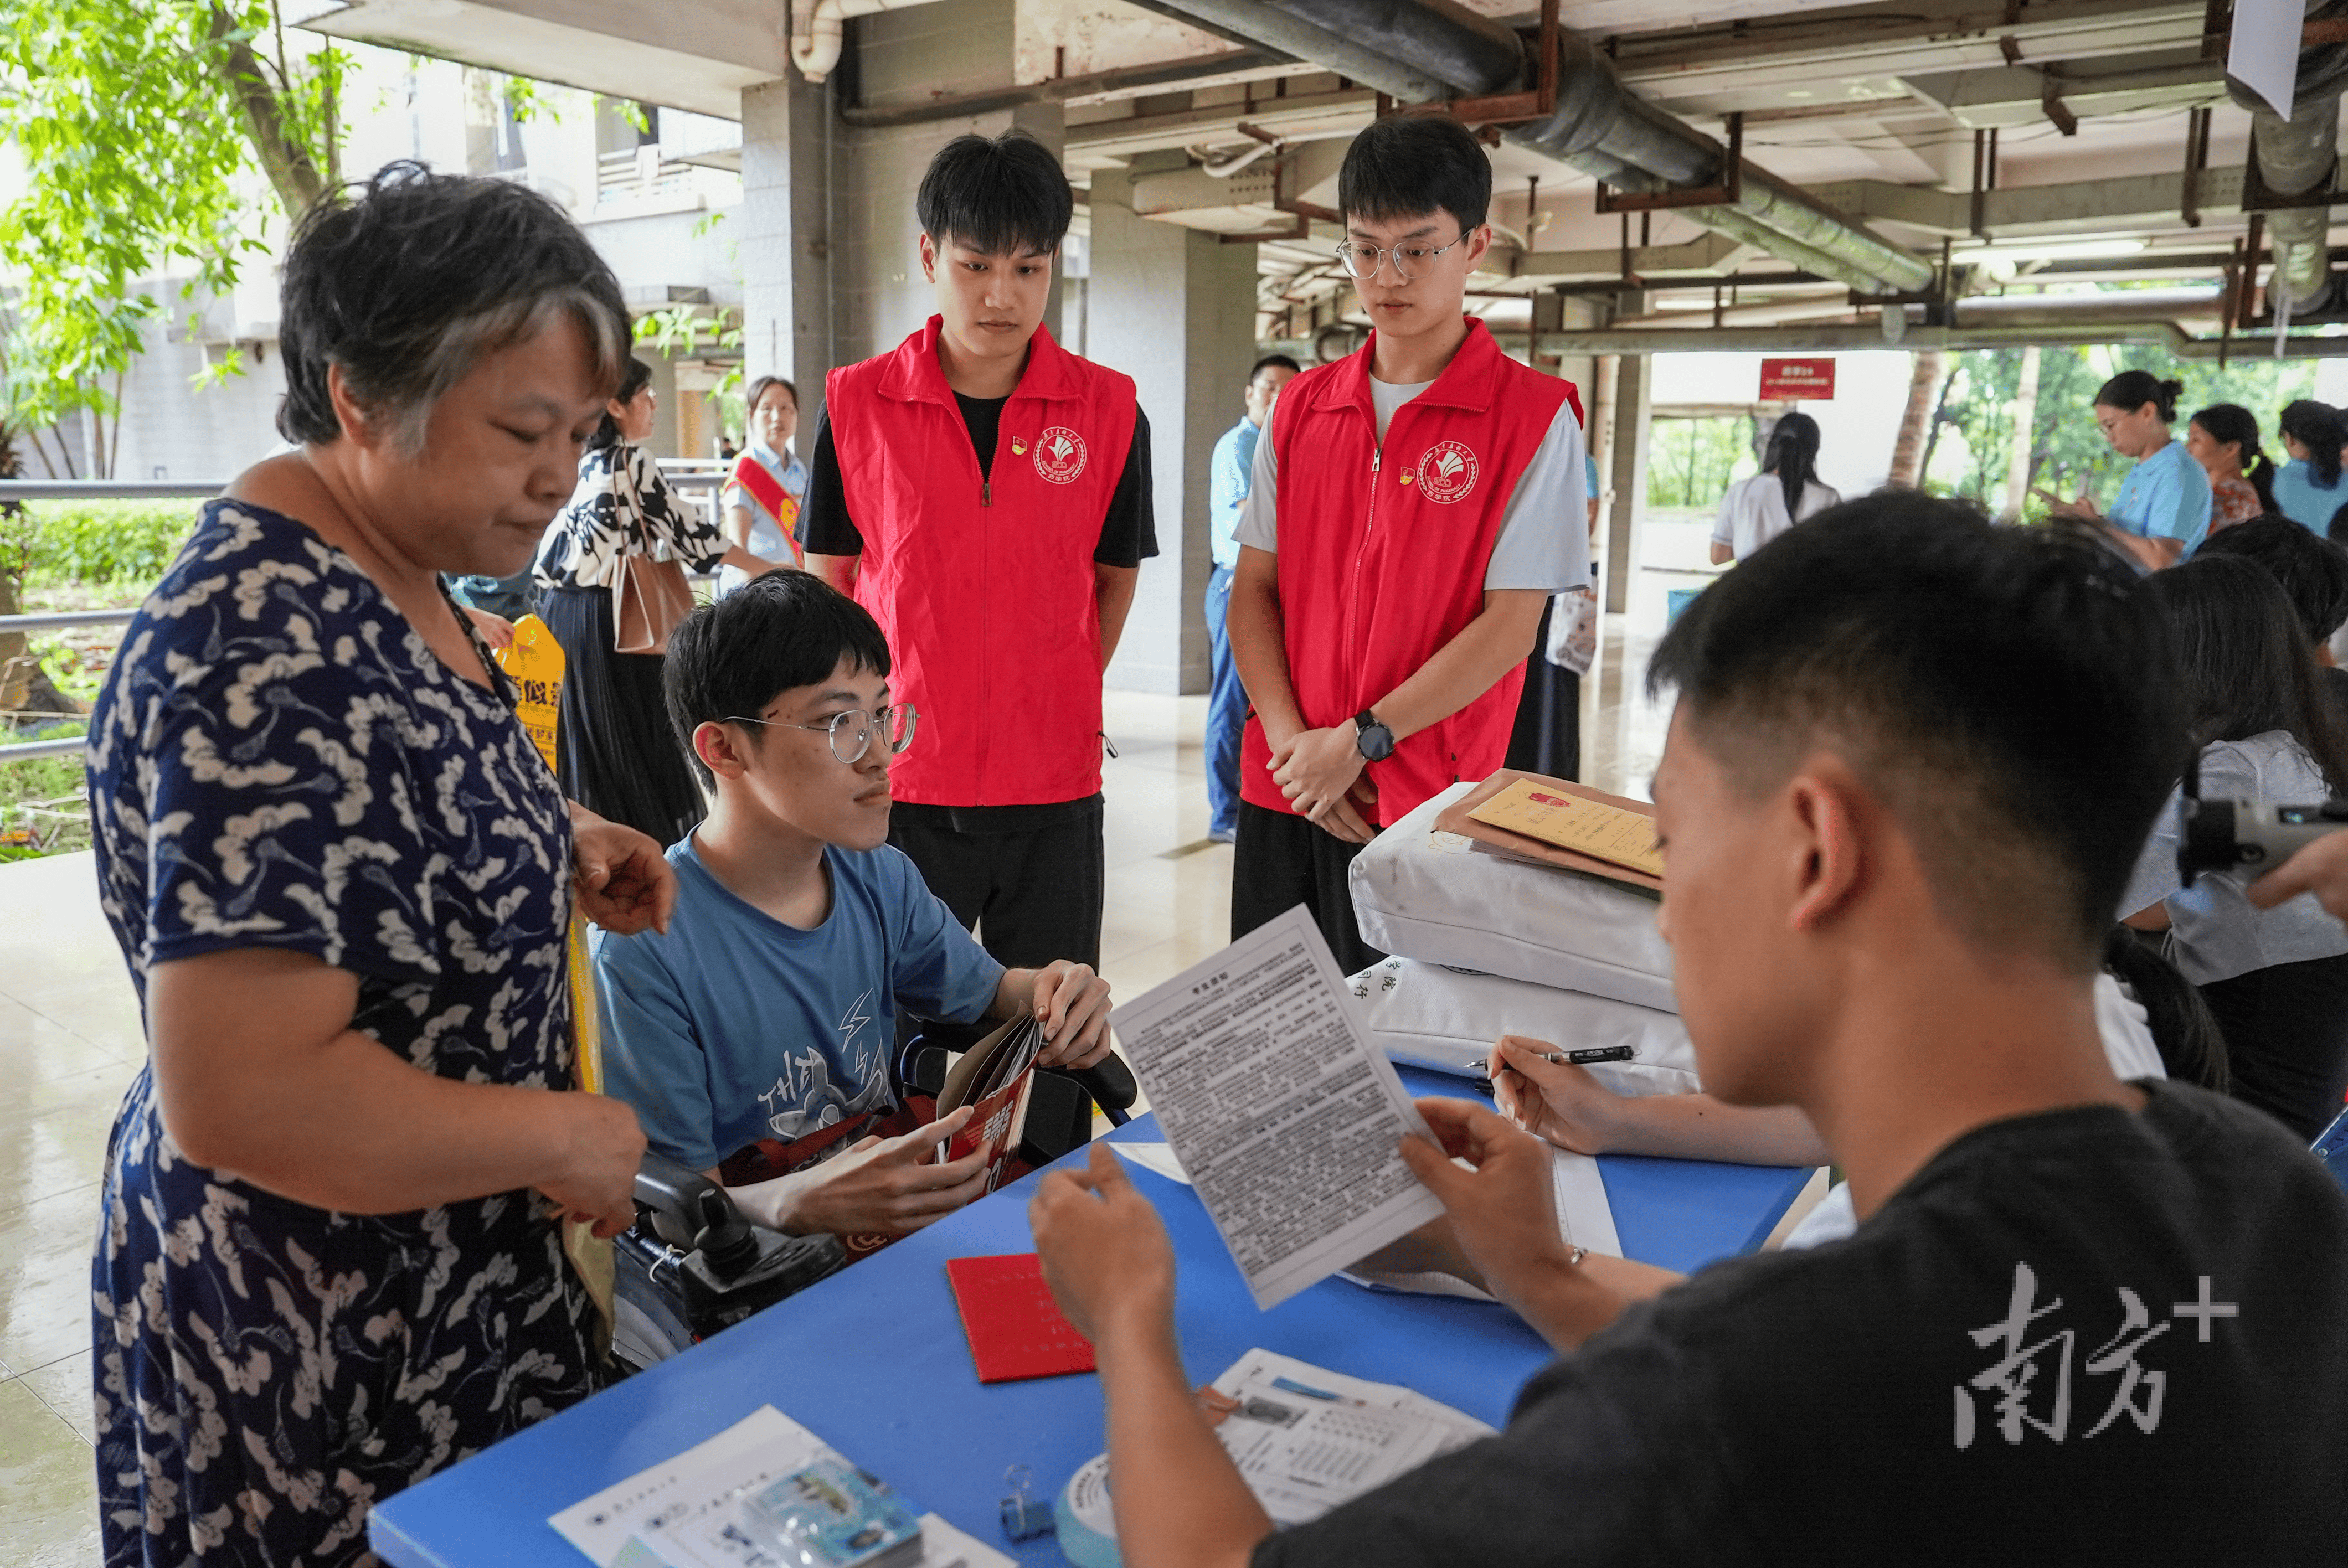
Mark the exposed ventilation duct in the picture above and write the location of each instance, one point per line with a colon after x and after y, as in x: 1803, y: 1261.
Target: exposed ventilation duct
x: 2295, y: 157
x: 1420, y: 50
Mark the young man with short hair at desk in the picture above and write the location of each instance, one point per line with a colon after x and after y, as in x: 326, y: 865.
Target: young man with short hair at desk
x: 1412, y: 509
x: 985, y: 494
x: 2082, y: 1320
x: 755, y: 1038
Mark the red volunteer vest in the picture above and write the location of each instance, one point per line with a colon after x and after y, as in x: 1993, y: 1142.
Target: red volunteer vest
x: 1382, y: 552
x: 984, y: 587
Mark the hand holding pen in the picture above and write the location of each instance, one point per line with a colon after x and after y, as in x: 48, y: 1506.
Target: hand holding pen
x: 1551, y: 1094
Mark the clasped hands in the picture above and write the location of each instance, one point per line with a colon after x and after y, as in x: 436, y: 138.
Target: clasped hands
x: 1320, y: 771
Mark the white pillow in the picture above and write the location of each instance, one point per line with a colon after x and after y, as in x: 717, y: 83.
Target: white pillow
x: 1425, y: 1015
x: 1439, y: 898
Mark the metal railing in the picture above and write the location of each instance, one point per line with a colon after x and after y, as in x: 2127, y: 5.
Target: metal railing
x: 683, y: 474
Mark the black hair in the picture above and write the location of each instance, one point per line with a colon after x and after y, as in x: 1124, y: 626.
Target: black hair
x: 2245, y: 658
x: 998, y: 195
x: 2230, y: 424
x: 2313, y: 572
x: 407, y: 283
x: 1272, y: 362
x: 2184, y: 1031
x: 2337, y: 529
x: 2132, y: 389
x: 736, y: 654
x: 2319, y: 427
x: 2007, y: 692
x: 633, y: 380
x: 1792, y: 454
x: 758, y: 390
x: 1409, y: 165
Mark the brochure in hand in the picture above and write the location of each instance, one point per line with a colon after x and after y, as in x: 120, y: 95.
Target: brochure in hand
x: 995, y: 1077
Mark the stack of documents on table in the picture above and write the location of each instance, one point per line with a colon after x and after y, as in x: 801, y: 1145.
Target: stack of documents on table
x: 1447, y: 899
x: 1487, y: 943
x: 764, y: 1493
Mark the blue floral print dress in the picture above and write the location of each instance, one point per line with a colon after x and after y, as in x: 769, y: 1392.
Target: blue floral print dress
x: 279, y: 760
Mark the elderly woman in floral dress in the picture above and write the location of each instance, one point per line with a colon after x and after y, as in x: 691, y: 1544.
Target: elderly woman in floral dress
x: 330, y: 1260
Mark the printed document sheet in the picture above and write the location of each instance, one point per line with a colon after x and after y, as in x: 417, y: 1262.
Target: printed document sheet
x: 1285, y: 1119
x: 1308, y: 1438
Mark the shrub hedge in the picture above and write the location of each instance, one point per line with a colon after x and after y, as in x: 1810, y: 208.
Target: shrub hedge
x: 118, y: 542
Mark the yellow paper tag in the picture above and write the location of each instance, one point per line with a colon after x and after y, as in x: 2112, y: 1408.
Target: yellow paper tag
x: 534, y: 660
x: 1585, y: 826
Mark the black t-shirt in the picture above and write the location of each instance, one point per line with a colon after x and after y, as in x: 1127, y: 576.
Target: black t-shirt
x: 1967, y: 1381
x: 1128, y: 533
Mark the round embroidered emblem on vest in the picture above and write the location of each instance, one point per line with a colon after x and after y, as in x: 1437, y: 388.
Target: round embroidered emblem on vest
x: 1447, y: 473
x: 1060, y: 455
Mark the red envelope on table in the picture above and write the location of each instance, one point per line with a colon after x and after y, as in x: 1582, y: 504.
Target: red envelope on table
x: 1014, y: 1329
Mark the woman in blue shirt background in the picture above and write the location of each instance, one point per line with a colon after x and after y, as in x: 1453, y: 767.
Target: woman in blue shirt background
x: 2307, y: 489
x: 2162, y: 512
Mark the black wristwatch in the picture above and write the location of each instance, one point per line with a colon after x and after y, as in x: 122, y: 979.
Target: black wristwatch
x: 1376, y: 742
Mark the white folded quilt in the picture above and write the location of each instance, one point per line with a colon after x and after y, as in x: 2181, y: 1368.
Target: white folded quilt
x: 1437, y: 898
x: 1429, y: 1016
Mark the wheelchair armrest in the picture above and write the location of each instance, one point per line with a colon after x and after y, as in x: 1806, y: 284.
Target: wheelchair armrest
x: 1109, y: 1082
x: 690, y: 1211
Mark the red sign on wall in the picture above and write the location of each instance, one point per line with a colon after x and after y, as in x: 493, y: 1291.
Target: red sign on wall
x: 1808, y: 380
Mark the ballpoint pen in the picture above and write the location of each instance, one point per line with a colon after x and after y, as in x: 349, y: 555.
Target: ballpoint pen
x: 1584, y: 1058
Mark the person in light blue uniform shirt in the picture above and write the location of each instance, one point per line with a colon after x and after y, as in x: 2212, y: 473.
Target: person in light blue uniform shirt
x: 1227, y: 703
x: 770, y: 533
x: 2162, y: 512
x: 2308, y: 489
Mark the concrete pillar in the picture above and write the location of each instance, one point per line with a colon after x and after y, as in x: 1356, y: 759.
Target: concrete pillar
x: 828, y: 242
x: 1173, y: 308
x: 783, y: 236
x: 1633, y: 418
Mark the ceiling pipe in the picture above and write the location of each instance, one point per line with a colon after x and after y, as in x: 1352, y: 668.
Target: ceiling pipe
x: 820, y: 27
x: 1421, y: 50
x: 1060, y: 89
x: 1870, y: 335
x: 2296, y: 157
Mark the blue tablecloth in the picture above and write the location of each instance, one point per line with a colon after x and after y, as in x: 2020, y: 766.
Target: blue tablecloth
x: 874, y: 1362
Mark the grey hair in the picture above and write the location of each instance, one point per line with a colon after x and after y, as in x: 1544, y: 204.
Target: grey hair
x: 406, y: 288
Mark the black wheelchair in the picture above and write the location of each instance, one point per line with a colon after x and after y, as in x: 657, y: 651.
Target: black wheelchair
x: 691, y: 1266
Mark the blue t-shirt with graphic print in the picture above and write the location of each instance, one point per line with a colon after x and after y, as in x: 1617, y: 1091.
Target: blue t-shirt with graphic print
x: 734, y: 1027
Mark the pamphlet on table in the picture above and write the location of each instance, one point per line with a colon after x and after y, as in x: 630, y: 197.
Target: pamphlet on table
x: 763, y: 1493
x: 1305, y: 1439
x: 1288, y: 1123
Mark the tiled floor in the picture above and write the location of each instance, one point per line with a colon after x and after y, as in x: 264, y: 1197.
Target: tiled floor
x: 71, y: 1042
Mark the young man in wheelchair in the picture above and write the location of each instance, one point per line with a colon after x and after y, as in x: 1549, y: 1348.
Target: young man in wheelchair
x: 755, y: 1038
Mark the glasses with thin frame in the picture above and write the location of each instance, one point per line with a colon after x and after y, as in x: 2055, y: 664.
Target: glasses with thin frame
x: 851, y: 731
x: 1411, y: 262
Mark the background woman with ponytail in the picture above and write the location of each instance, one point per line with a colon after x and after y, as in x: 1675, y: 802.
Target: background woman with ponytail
x: 2224, y: 440
x: 2163, y: 508
x: 2307, y: 489
x: 1784, y: 493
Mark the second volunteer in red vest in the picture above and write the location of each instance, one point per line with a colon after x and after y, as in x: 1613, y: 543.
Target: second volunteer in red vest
x: 985, y: 494
x: 1413, y: 507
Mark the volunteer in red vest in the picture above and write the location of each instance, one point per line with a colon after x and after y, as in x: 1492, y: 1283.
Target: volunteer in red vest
x: 1413, y: 507
x: 985, y: 494
x: 760, y: 503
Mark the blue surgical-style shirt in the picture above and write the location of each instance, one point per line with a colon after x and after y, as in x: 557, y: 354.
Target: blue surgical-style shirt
x: 2165, y: 497
x: 1227, y: 490
x: 734, y: 1026
x: 2302, y: 498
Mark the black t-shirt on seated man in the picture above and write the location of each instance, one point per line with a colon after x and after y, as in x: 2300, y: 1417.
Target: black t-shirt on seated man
x: 2084, y: 1336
